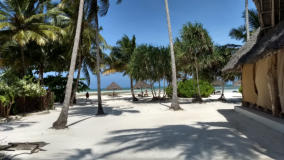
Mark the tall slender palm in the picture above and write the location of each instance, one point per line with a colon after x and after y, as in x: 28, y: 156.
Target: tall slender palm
x: 120, y: 57
x: 99, y: 9
x: 247, y: 20
x: 61, y: 122
x: 22, y: 21
x: 175, y: 103
x: 86, y: 58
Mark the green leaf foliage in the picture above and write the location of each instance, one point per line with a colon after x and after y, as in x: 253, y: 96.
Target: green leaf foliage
x: 188, y: 89
x: 57, y: 84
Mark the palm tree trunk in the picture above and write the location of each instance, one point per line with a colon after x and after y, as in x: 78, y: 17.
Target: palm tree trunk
x: 61, y: 122
x: 40, y: 75
x: 247, y: 21
x: 197, y: 79
x: 77, y: 81
x: 132, y: 90
x: 175, y: 104
x: 23, y: 61
x: 153, y: 87
x: 164, y: 95
x: 222, y: 94
x: 100, y: 107
x: 159, y: 89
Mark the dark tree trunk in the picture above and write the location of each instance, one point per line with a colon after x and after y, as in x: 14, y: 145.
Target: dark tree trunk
x: 100, y: 107
x: 164, y: 95
x: 23, y: 61
x: 132, y: 90
x: 61, y: 122
x: 198, y: 98
x: 159, y: 89
x: 41, y: 74
x: 222, y: 97
x: 77, y: 81
x: 175, y: 104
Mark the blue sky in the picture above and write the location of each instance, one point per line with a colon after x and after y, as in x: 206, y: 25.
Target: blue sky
x: 147, y: 20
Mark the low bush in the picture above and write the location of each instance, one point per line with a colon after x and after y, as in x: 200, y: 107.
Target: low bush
x: 57, y: 85
x: 18, y: 94
x: 241, y: 89
x: 188, y: 89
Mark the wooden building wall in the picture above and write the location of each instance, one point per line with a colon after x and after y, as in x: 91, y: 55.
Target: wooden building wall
x: 280, y: 73
x: 248, y: 86
x: 261, y: 86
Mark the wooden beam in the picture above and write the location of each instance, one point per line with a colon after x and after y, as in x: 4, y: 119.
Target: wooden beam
x: 279, y: 9
x: 260, y: 12
x: 273, y: 13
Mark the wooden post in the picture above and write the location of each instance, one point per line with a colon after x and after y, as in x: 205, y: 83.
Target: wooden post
x: 272, y: 13
x: 273, y: 86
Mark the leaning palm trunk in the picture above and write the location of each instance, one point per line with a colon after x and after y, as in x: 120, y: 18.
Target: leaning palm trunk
x: 164, y: 94
x: 223, y: 88
x: 247, y: 21
x: 132, y: 90
x: 175, y: 104
x: 77, y: 81
x: 197, y: 79
x: 100, y: 107
x: 40, y: 74
x: 23, y: 61
x: 61, y: 122
x: 159, y: 89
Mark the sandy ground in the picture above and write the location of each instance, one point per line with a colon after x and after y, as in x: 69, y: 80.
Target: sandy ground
x: 147, y: 130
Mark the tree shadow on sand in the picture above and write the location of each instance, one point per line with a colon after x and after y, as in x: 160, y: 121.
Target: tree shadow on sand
x: 205, y: 140
x: 92, y: 110
x: 14, y: 125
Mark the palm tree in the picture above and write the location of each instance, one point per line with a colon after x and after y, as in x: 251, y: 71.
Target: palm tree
x: 120, y: 57
x: 86, y: 58
x: 247, y: 21
x: 196, y: 45
x: 99, y: 9
x: 175, y: 104
x: 240, y: 33
x: 220, y: 58
x: 23, y: 21
x: 61, y: 122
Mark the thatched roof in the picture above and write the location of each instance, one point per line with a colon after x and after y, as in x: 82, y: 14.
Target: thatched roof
x: 258, y: 47
x: 273, y: 40
x: 237, y: 83
x: 217, y: 83
x: 113, y: 86
x: 234, y: 61
x: 141, y: 84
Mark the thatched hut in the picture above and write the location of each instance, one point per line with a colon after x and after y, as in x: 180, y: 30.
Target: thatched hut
x: 113, y: 86
x: 237, y: 83
x: 261, y: 60
x: 141, y: 85
x: 217, y: 83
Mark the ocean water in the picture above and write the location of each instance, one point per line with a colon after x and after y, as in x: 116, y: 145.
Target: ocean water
x: 125, y: 90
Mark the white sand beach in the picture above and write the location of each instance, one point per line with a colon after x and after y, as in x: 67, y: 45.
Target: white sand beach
x: 147, y: 130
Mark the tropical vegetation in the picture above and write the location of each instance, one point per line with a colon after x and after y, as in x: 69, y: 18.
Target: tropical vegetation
x: 36, y: 37
x: 188, y: 89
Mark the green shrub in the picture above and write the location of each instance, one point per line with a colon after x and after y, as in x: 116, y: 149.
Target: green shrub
x: 188, y: 89
x: 13, y: 88
x: 169, y: 91
x: 26, y: 87
x: 57, y: 85
x: 241, y: 89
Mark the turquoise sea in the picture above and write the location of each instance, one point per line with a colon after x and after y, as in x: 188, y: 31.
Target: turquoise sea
x: 227, y: 88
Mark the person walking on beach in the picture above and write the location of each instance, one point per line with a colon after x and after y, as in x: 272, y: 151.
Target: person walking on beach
x: 87, y: 96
